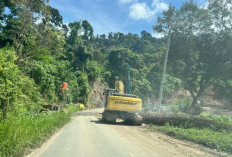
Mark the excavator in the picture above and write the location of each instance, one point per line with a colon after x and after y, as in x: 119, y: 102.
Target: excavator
x: 122, y: 106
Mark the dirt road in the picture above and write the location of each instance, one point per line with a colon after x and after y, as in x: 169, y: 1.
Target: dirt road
x: 86, y: 136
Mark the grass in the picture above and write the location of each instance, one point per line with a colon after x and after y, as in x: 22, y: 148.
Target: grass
x: 20, y: 134
x: 216, y: 140
x: 209, y: 137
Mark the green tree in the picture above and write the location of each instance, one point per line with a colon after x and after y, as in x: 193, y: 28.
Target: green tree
x: 88, y: 30
x: 196, y: 51
x: 16, y: 89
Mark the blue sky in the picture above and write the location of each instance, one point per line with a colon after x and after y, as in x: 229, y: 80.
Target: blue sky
x: 126, y: 16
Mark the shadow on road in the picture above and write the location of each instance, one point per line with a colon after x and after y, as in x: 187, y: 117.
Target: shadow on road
x: 100, y: 121
x: 86, y: 114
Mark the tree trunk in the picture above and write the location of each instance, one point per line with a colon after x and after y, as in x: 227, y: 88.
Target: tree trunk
x: 192, y: 109
x: 3, y: 107
x: 193, y: 105
x: 185, y: 121
x: 197, y: 96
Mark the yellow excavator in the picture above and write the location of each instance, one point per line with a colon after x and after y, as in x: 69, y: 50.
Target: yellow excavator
x: 122, y: 106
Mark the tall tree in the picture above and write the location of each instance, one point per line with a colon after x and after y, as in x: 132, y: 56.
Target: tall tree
x: 195, y: 51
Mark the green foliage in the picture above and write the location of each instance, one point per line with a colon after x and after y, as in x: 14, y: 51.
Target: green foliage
x: 171, y: 85
x: 141, y: 88
x: 27, y: 131
x: 9, y: 74
x: 216, y: 134
x: 94, y: 70
x: 56, y: 18
x: 174, y: 109
x: 200, y: 44
x: 88, y: 30
x: 223, y: 89
x: 16, y: 89
x: 183, y: 100
x: 20, y: 133
x: 118, y: 60
x: 220, y: 119
x: 43, y: 55
x: 43, y: 74
x: 49, y: 52
x: 220, y: 140
x: 84, y: 86
x: 49, y: 78
x: 180, y: 105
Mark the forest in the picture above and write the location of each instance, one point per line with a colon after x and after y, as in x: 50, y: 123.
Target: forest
x: 38, y: 52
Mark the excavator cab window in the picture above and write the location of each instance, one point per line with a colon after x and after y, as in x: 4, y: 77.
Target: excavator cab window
x: 108, y: 93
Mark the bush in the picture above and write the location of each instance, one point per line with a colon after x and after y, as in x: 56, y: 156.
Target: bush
x: 209, y: 130
x: 220, y: 119
x: 84, y: 86
x: 180, y: 105
x: 93, y: 70
x: 22, y: 132
x: 207, y: 137
x: 16, y: 89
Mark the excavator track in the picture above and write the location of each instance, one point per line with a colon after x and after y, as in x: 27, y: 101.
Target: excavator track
x: 129, y: 118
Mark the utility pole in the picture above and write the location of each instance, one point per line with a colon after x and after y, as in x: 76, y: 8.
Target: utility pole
x: 129, y: 90
x: 164, y: 71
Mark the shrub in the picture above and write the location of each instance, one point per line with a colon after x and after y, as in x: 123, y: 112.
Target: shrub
x: 15, y: 88
x: 22, y: 132
x: 180, y: 105
x: 220, y: 119
x: 207, y: 137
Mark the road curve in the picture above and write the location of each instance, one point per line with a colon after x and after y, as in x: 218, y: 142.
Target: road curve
x: 87, y: 136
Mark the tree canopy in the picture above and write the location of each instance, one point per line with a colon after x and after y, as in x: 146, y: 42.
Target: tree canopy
x: 38, y: 52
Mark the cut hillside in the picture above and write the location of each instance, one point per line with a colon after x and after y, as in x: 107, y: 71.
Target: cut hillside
x: 96, y: 98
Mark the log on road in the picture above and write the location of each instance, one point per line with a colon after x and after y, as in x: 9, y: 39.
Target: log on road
x: 185, y: 121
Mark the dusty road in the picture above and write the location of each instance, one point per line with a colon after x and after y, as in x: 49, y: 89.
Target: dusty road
x: 86, y: 136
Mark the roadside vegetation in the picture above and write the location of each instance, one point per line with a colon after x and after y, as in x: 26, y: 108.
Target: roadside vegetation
x: 38, y: 52
x: 21, y: 133
x: 212, y: 136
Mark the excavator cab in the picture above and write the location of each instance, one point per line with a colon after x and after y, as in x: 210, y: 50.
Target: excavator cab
x: 108, y: 93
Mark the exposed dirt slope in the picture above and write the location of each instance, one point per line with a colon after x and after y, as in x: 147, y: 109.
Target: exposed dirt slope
x: 96, y: 98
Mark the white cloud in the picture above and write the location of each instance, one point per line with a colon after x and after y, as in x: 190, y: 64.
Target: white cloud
x: 159, y: 6
x: 158, y: 35
x: 141, y: 11
x: 126, y: 1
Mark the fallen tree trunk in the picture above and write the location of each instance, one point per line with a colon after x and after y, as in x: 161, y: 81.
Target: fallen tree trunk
x: 185, y: 121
